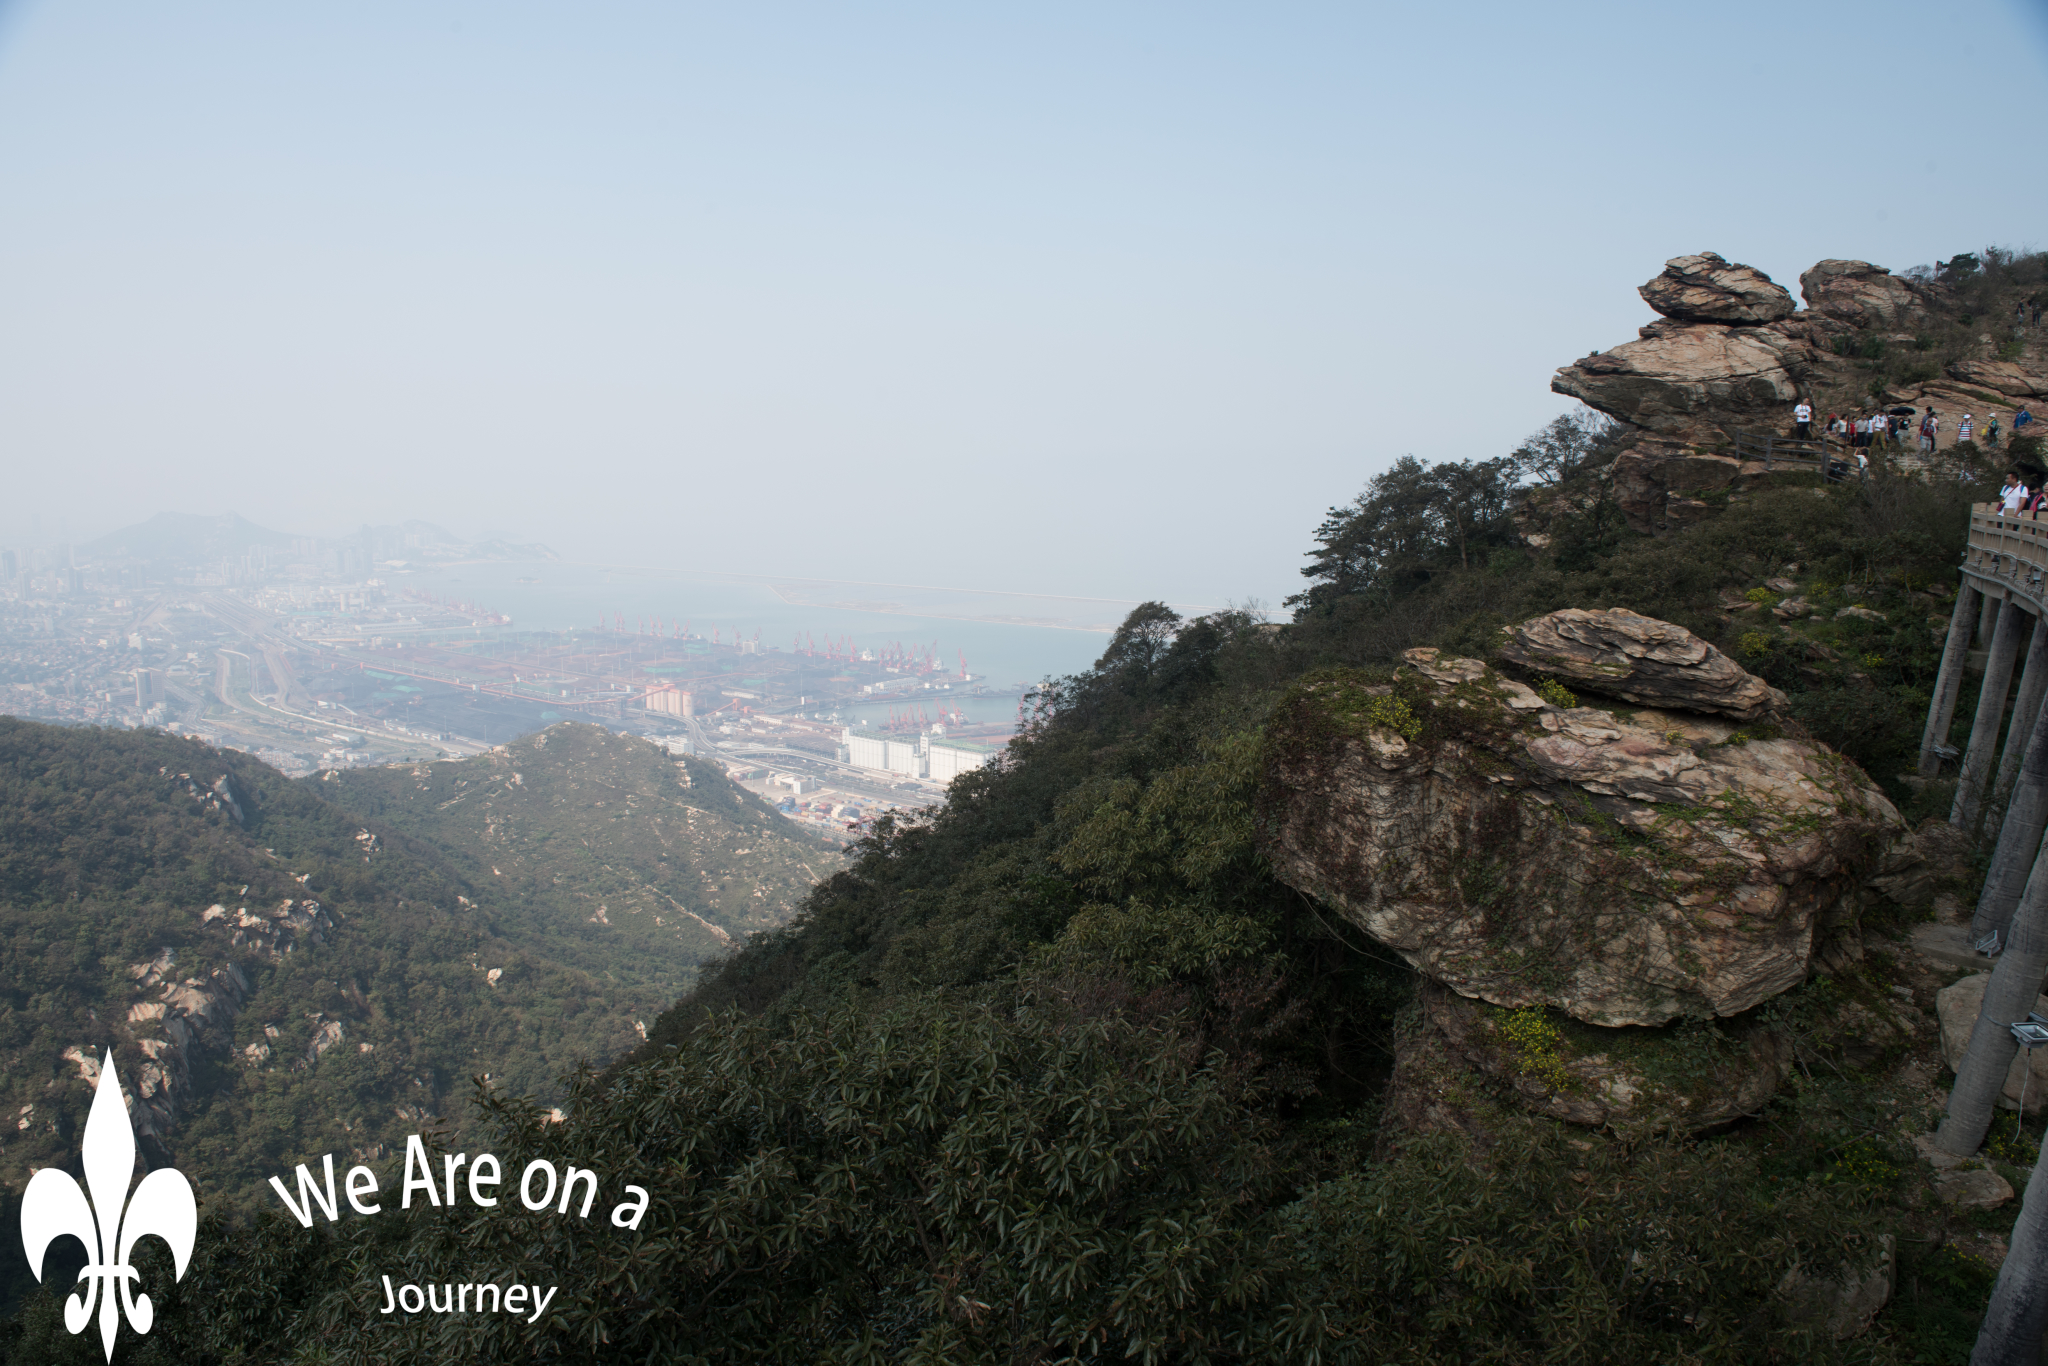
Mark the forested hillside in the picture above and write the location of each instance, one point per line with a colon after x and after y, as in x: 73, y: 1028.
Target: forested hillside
x: 599, y: 851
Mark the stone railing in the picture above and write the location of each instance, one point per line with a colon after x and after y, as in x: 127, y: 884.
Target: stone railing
x: 2009, y: 551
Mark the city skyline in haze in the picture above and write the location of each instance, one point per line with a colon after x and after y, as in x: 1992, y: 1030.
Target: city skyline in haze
x: 1075, y: 301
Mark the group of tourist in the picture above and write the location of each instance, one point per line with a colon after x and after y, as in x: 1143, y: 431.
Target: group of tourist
x: 1861, y: 433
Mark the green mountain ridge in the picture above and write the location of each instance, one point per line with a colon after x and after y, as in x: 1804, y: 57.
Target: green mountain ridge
x: 620, y: 860
x: 283, y: 968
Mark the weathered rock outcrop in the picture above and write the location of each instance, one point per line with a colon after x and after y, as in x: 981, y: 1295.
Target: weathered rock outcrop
x: 1626, y: 868
x: 186, y: 1014
x: 1618, y: 653
x: 1659, y: 484
x: 1696, y: 381
x: 1861, y: 295
x: 2002, y: 376
x: 1708, y: 289
x: 274, y: 933
x: 218, y: 797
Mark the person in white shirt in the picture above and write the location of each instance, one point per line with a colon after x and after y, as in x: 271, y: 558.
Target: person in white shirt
x: 1878, y: 423
x: 2013, y: 496
x: 1802, y: 420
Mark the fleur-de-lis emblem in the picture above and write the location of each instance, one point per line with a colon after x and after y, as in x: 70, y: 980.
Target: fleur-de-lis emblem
x: 163, y: 1205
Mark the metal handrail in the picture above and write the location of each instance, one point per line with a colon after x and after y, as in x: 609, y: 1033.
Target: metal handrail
x: 1803, y: 453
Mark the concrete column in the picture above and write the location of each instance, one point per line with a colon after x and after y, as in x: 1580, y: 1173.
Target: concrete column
x: 2019, y: 835
x: 2025, y: 707
x: 1987, y: 620
x: 2005, y: 648
x: 1949, y: 681
x: 2008, y: 996
x: 2010, y: 1334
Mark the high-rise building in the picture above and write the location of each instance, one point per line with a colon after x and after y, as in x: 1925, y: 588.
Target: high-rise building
x: 149, y: 687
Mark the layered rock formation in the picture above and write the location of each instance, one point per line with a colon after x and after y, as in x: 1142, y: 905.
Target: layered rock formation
x: 1639, y: 659
x: 1862, y: 295
x: 1627, y: 866
x: 1727, y: 356
x: 2009, y: 378
x: 1691, y: 381
x: 1707, y: 289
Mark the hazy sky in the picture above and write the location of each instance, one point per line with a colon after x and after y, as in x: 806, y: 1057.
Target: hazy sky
x: 1095, y: 298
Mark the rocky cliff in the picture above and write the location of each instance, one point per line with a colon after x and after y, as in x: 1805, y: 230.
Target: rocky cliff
x: 1730, y: 355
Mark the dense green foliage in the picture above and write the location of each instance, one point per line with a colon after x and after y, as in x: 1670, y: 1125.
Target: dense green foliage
x: 941, y: 1181
x: 1417, y: 522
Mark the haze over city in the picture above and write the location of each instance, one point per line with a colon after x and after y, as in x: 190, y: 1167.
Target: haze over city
x: 1062, y: 300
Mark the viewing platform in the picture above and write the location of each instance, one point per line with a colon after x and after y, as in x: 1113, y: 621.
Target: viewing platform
x: 2007, y: 555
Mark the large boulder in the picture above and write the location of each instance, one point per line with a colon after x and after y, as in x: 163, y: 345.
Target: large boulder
x: 1627, y: 868
x: 1707, y: 289
x: 1860, y: 294
x: 2018, y: 382
x: 1618, y: 653
x: 1696, y: 381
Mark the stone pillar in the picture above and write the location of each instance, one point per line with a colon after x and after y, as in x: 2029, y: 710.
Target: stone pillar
x: 1987, y: 620
x: 2025, y: 707
x: 1949, y: 681
x: 2019, y: 835
x: 2005, y: 647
